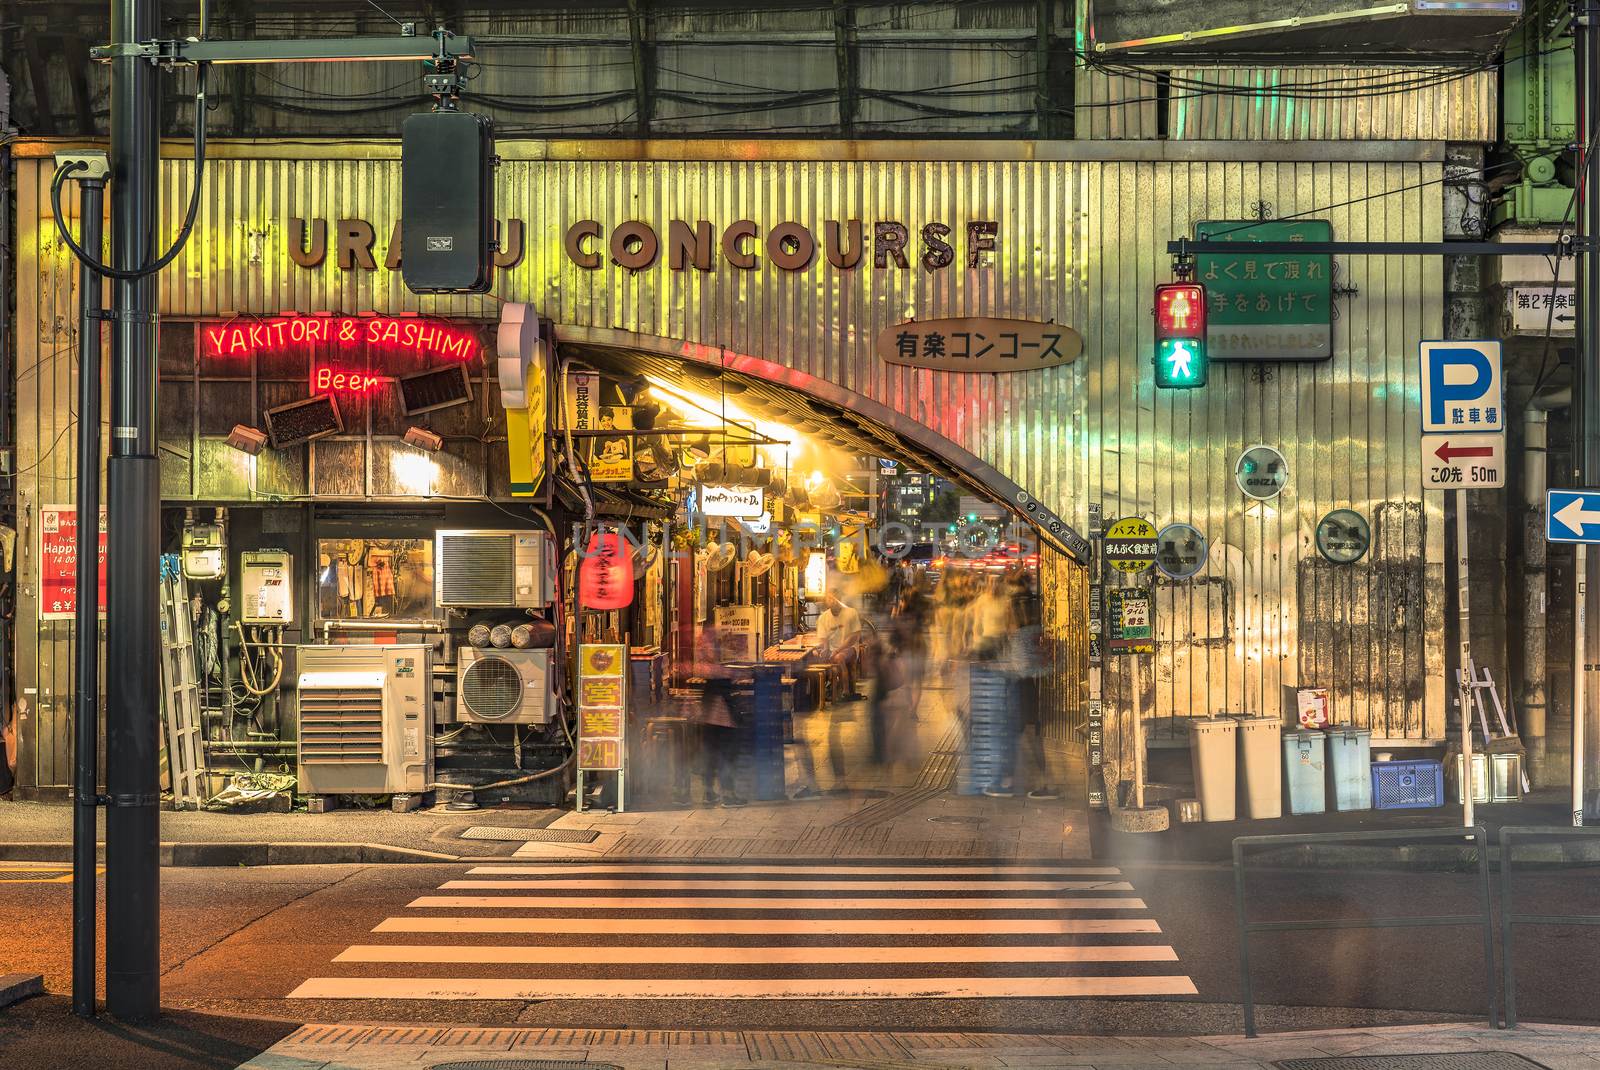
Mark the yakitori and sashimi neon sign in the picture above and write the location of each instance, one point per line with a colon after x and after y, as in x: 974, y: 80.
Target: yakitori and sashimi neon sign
x: 330, y: 338
x: 283, y: 334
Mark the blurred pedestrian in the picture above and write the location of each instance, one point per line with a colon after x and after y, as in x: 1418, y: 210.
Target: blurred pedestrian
x: 717, y: 723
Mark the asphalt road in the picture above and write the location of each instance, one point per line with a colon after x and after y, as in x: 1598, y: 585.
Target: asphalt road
x: 1147, y: 950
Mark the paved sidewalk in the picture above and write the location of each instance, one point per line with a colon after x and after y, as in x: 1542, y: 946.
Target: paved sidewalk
x: 906, y: 811
x: 374, y: 1047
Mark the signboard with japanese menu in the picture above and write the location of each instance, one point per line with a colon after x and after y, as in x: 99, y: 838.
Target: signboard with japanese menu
x: 58, y: 562
x: 602, y: 705
x: 1267, y: 306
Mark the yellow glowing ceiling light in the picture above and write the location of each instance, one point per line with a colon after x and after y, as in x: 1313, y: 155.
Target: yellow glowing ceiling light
x: 710, y: 413
x: 814, y: 480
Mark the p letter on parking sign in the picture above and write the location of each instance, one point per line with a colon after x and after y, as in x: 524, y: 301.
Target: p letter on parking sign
x: 1461, y: 387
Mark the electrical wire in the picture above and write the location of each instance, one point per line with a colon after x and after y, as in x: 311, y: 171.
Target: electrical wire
x: 189, y: 217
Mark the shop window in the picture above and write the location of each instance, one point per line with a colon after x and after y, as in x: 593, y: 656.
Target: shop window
x: 375, y: 578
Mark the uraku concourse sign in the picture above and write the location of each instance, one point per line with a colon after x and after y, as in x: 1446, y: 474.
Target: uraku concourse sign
x: 979, y: 344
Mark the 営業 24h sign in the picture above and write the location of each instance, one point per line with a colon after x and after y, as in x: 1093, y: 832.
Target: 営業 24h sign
x: 1267, y: 306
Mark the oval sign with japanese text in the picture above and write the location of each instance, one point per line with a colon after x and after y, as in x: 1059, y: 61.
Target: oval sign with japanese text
x: 1131, y: 544
x: 979, y: 344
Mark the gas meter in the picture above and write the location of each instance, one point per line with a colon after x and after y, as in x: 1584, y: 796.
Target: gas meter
x: 204, y: 552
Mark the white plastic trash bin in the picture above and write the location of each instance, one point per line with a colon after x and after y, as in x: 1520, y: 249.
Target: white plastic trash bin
x: 1303, y: 767
x: 1258, y: 756
x: 1211, y: 749
x: 1350, y: 762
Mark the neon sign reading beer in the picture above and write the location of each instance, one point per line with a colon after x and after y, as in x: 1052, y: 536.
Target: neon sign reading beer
x: 328, y: 335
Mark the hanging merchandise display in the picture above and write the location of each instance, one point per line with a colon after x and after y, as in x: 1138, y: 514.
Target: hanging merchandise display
x: 605, y: 574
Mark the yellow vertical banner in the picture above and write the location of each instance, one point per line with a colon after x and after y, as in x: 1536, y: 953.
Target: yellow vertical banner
x: 525, y: 433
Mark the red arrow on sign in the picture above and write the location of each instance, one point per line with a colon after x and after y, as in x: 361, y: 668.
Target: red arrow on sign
x: 1445, y: 453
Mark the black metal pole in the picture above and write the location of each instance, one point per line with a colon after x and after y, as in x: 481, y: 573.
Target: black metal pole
x: 1586, y: 54
x: 133, y: 876
x: 86, y: 682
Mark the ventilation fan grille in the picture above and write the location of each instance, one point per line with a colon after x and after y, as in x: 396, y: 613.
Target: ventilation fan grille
x: 492, y: 688
x: 477, y: 570
x: 341, y: 725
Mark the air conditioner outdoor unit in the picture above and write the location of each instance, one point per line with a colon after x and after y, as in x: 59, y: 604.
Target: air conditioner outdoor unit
x: 493, y: 568
x: 503, y: 686
x: 366, y: 719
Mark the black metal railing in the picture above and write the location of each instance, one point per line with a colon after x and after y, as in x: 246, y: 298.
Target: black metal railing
x: 1398, y: 838
x: 1510, y: 918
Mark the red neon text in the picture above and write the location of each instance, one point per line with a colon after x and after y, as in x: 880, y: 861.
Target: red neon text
x: 358, y: 382
x: 380, y: 332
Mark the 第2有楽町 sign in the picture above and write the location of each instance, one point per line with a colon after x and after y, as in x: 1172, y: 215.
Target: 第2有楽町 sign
x: 979, y: 344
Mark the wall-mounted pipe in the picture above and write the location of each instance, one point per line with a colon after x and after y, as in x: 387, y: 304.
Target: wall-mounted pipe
x: 1534, y: 702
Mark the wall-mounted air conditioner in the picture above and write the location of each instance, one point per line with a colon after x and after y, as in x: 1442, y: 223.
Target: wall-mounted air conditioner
x: 496, y: 686
x: 366, y: 719
x: 480, y: 568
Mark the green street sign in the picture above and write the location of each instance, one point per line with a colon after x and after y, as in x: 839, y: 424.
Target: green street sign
x: 1267, y: 306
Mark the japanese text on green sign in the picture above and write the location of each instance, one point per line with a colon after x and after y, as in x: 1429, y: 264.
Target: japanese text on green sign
x: 1267, y: 306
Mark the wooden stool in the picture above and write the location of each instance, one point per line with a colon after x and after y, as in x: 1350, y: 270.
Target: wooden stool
x: 819, y: 685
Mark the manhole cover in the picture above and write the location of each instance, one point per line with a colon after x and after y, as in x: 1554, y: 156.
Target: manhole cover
x: 1467, y: 1060
x: 525, y: 1064
x: 491, y: 832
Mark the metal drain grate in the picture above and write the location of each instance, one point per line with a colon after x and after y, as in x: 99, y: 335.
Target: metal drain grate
x: 525, y: 1064
x: 1467, y: 1060
x: 492, y: 832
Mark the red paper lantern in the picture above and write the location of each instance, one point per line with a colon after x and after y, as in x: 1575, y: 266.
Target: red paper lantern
x: 605, y: 574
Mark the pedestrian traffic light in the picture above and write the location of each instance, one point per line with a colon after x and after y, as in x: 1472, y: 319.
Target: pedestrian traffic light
x: 1180, y: 335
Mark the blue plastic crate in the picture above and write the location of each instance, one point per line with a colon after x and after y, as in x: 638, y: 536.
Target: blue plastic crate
x: 1409, y: 785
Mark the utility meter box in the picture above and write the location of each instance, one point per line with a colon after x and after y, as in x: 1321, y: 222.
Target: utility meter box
x: 204, y: 552
x: 266, y: 587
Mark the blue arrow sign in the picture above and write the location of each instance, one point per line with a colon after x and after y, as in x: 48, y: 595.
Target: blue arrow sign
x: 1572, y: 516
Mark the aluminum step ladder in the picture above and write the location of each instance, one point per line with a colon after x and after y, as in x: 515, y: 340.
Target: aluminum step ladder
x: 183, y: 741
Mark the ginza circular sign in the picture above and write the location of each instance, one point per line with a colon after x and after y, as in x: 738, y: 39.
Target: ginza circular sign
x: 1262, y: 472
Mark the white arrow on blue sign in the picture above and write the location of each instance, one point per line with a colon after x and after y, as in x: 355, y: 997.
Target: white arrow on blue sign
x: 1461, y: 387
x: 1572, y: 516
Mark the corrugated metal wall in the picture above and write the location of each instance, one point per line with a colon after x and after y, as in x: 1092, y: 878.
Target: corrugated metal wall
x: 1081, y: 242
x: 1290, y: 104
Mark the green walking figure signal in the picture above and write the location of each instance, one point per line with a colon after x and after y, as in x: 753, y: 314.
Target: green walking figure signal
x: 1180, y: 335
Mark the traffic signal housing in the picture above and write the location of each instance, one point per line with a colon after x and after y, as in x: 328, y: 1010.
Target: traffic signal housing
x: 1180, y: 335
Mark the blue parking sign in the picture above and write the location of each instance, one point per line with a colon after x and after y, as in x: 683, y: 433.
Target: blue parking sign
x: 1461, y: 388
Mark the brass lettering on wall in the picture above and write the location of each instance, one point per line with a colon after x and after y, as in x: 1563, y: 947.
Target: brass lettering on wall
x: 635, y: 245
x: 307, y: 256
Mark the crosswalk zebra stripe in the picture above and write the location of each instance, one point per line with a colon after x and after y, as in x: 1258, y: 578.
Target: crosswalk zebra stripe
x: 782, y: 955
x: 772, y: 926
x: 709, y: 869
x: 776, y: 988
x: 777, y: 883
x: 557, y: 902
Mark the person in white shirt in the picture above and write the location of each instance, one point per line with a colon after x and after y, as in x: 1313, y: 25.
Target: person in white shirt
x: 839, y: 640
x: 838, y: 626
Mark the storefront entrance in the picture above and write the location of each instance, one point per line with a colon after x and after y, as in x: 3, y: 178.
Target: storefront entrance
x: 913, y: 690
